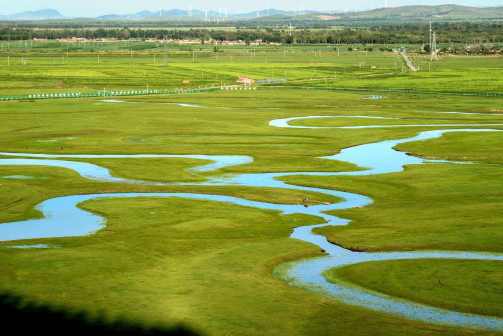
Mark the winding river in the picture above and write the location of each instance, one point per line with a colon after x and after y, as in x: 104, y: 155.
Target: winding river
x: 63, y: 218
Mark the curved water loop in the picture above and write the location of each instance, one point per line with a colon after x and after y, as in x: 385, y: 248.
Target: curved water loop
x: 63, y: 217
x: 98, y: 173
x: 285, y: 123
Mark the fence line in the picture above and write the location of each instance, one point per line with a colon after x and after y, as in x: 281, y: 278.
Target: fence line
x: 121, y: 93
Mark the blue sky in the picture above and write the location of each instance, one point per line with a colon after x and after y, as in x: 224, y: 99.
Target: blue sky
x: 100, y: 7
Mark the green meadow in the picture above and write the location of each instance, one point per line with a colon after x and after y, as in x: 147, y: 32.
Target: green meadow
x: 214, y: 266
x: 66, y: 67
x: 433, y: 283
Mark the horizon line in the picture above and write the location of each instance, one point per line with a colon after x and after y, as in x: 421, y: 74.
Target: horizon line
x: 223, y: 10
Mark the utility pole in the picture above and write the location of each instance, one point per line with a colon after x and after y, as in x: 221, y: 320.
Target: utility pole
x: 434, y: 46
x: 165, y: 50
x: 430, y: 37
x: 433, y: 43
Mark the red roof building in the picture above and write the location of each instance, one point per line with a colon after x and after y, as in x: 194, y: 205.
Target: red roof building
x: 245, y: 81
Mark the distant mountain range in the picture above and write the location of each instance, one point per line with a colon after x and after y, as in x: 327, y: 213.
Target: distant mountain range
x: 392, y: 14
x: 449, y: 12
x: 43, y: 14
x: 403, y: 14
x: 200, y: 15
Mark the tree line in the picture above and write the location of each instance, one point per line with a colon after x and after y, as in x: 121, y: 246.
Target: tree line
x: 411, y: 33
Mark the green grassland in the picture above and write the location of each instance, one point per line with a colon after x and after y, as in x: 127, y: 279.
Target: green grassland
x: 154, y: 263
x: 433, y: 207
x: 432, y: 282
x: 66, y: 67
x: 211, y: 265
x: 467, y: 147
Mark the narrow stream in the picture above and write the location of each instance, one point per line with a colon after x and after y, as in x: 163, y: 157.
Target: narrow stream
x: 63, y: 218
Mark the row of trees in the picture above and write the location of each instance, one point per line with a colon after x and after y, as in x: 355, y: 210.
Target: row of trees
x: 414, y: 34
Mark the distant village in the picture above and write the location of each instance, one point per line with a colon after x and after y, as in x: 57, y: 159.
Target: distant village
x: 165, y: 41
x: 468, y: 49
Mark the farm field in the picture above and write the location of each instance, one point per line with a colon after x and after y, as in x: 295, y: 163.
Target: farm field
x: 223, y: 267
x: 67, y: 67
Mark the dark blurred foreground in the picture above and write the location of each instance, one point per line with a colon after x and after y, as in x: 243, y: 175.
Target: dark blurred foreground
x: 21, y: 316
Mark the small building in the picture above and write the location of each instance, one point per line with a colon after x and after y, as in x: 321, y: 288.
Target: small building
x: 245, y: 81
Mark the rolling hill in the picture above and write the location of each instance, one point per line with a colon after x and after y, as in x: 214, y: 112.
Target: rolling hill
x: 43, y: 14
x: 275, y: 16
